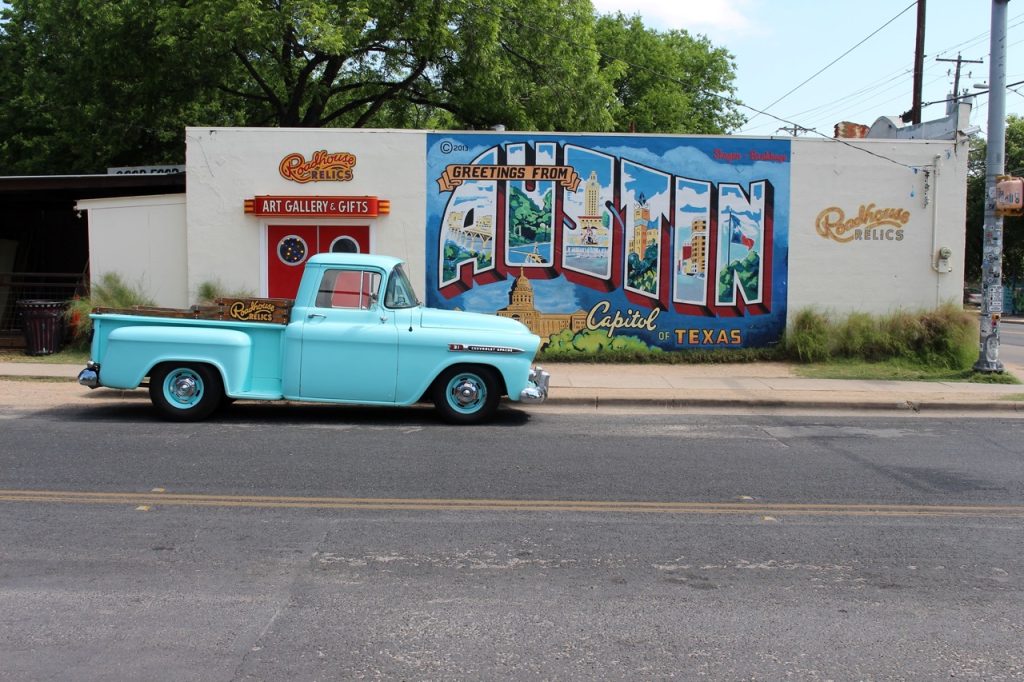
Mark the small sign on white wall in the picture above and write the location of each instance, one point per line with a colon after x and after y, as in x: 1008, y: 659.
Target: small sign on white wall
x: 146, y: 170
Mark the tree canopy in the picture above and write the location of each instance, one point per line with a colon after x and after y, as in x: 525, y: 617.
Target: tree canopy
x: 670, y: 82
x: 95, y: 83
x: 1013, y: 227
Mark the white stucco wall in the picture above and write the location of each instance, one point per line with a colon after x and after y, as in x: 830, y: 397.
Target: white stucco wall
x: 226, y: 166
x: 171, y: 246
x: 142, y: 239
x: 877, y: 275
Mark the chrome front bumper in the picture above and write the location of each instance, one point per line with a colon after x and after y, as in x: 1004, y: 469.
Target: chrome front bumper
x: 537, y: 393
x: 90, y: 376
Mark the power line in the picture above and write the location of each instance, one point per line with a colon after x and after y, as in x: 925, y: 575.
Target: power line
x: 842, y: 104
x: 829, y: 65
x: 957, y: 98
x: 724, y: 98
x: 981, y: 37
x: 856, y: 93
x: 877, y: 103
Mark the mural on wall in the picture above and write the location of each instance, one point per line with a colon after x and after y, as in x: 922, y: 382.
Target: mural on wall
x: 612, y: 241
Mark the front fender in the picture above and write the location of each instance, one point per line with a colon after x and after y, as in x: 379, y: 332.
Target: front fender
x: 417, y: 377
x: 132, y: 352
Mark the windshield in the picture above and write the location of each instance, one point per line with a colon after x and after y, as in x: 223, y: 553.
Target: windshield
x: 400, y: 293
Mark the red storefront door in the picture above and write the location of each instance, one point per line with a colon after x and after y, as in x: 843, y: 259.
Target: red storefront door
x: 290, y: 246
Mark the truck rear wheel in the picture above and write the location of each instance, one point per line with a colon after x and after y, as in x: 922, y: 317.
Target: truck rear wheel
x: 467, y: 394
x: 185, y: 392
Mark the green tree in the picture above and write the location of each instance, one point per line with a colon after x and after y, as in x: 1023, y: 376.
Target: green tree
x: 530, y: 222
x: 1013, y: 227
x: 667, y: 82
x: 90, y: 83
x: 94, y: 83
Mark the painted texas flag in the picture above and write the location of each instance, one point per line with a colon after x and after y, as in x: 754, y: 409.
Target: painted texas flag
x: 742, y: 232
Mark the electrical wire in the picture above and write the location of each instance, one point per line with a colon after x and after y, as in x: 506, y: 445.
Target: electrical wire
x: 981, y: 37
x: 728, y: 100
x: 831, y: 63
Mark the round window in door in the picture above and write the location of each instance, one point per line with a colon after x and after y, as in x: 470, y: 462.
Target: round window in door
x: 344, y: 245
x: 292, y: 249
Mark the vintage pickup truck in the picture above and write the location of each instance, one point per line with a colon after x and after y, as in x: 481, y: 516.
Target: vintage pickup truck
x: 355, y: 333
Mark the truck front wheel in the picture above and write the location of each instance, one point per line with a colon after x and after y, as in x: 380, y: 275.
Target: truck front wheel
x: 467, y: 394
x: 185, y: 391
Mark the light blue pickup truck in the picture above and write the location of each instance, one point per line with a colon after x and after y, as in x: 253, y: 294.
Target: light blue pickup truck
x: 355, y: 333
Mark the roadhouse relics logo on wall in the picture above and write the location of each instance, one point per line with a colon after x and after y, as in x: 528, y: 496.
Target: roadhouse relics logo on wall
x: 322, y: 167
x: 612, y: 242
x: 870, y: 224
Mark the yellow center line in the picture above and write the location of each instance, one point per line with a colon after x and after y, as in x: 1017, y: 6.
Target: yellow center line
x: 421, y: 504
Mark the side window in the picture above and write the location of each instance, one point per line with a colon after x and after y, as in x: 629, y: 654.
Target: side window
x: 348, y: 289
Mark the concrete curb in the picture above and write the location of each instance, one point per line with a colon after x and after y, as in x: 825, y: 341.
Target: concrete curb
x: 777, y: 403
x: 723, y: 393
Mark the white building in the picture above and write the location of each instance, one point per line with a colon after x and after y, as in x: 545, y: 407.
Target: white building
x: 869, y: 225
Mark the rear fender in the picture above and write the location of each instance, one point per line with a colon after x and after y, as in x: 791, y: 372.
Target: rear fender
x: 132, y: 352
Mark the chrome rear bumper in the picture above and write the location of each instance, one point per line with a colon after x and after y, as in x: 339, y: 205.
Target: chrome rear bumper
x: 90, y: 376
x: 537, y: 393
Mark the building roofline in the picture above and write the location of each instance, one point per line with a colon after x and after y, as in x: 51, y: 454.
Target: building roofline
x: 171, y: 182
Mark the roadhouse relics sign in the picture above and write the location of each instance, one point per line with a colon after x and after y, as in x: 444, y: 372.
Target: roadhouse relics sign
x: 323, y: 166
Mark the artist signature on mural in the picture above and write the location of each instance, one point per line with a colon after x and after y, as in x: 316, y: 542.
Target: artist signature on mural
x: 753, y: 155
x: 833, y: 224
x: 447, y: 147
x: 599, y: 319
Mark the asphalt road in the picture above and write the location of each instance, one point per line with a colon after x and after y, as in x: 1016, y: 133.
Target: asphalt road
x: 1011, y: 344
x: 323, y: 543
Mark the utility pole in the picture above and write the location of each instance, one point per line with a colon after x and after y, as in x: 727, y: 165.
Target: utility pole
x: 995, y: 165
x: 915, y: 111
x: 956, y: 78
x: 794, y: 130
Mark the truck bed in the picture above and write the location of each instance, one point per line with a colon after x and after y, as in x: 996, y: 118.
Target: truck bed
x: 272, y: 310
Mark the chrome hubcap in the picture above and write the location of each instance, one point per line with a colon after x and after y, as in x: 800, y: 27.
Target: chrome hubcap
x: 184, y: 388
x: 466, y: 393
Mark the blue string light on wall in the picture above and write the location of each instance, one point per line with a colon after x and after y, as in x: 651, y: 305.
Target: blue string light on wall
x: 292, y: 250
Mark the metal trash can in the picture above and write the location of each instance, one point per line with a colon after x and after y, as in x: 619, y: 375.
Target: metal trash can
x: 43, y: 325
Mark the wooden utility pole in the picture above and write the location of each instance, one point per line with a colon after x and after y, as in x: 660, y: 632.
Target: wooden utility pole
x: 794, y: 130
x: 915, y: 111
x: 956, y: 77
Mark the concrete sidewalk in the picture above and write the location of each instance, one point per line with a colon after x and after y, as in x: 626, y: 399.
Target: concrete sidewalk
x: 751, y: 385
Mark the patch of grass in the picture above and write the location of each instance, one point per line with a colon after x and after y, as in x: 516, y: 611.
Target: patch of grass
x: 1015, y: 397
x: 898, y: 369
x: 68, y: 356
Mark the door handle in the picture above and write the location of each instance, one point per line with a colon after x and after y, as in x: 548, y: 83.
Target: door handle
x: 312, y: 316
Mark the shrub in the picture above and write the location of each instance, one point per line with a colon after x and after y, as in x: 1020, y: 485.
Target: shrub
x: 945, y: 337
x: 950, y: 337
x: 110, y: 291
x: 860, y: 336
x: 808, y: 339
x: 209, y: 291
